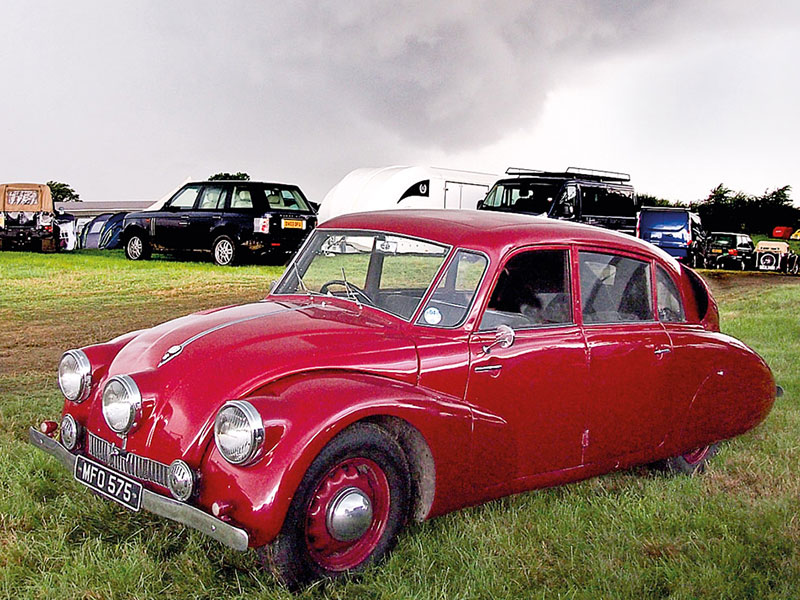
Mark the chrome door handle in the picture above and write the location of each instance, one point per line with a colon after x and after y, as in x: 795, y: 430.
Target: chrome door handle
x: 488, y: 368
x: 661, y: 351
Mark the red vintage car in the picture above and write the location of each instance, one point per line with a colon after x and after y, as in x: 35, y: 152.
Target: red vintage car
x: 407, y: 364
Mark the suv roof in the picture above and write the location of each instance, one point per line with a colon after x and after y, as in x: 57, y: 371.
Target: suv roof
x: 577, y: 173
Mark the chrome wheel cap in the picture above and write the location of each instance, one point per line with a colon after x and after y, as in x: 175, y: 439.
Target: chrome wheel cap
x: 349, y: 515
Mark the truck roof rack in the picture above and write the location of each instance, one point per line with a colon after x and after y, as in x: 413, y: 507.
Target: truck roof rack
x: 573, y: 172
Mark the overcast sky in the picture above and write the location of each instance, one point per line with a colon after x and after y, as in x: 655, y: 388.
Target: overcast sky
x: 125, y: 100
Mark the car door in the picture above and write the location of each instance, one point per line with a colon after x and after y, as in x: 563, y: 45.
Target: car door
x: 205, y: 216
x: 529, y: 397
x: 169, y: 226
x: 629, y: 354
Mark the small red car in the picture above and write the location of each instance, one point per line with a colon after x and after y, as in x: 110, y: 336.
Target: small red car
x: 407, y: 364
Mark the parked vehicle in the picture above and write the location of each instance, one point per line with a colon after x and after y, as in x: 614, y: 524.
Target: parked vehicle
x: 407, y: 364
x: 389, y: 188
x: 782, y: 232
x: 227, y: 218
x: 776, y: 256
x: 677, y: 231
x: 104, y: 232
x: 731, y: 251
x: 602, y: 198
x: 27, y: 218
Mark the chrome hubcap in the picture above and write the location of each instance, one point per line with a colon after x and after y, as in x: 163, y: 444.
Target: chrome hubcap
x: 135, y: 247
x: 224, y: 252
x: 349, y: 515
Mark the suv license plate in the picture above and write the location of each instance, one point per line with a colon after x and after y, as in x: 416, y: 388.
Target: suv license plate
x: 293, y: 224
x: 108, y: 483
x: 716, y: 251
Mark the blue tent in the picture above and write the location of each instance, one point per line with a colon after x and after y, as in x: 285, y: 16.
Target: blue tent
x: 103, y: 232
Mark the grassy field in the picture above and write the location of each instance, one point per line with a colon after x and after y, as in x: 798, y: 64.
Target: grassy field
x: 731, y: 533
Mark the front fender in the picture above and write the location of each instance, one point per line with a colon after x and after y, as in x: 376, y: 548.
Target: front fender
x: 302, y: 414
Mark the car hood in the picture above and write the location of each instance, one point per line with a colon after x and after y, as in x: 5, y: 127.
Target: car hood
x: 188, y: 368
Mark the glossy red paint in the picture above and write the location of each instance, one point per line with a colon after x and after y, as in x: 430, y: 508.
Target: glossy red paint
x: 561, y: 403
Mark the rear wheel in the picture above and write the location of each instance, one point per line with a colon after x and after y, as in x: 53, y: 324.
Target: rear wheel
x: 224, y: 251
x: 347, y: 511
x: 137, y: 247
x: 689, y: 463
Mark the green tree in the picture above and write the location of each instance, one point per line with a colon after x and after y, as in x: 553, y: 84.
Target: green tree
x: 62, y: 192
x: 240, y: 176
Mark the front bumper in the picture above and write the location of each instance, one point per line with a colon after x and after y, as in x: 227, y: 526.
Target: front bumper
x: 231, y: 536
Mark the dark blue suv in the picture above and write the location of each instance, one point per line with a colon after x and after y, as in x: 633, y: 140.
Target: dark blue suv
x: 228, y: 218
x: 678, y: 231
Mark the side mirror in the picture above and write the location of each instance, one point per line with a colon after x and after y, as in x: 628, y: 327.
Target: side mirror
x: 503, y: 337
x: 479, y: 206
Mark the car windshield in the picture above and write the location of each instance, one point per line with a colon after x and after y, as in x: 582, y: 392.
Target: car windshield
x: 727, y: 241
x: 387, y: 271
x: 525, y: 196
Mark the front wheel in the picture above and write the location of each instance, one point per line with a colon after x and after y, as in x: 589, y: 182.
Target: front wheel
x: 224, y: 251
x: 689, y: 463
x: 137, y: 248
x: 347, y: 511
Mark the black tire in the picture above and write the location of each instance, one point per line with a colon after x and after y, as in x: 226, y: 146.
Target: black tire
x: 687, y: 464
x: 224, y: 251
x: 137, y: 247
x: 364, y: 458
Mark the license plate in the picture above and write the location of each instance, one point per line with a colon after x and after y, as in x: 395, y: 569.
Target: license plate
x: 108, y: 483
x: 293, y: 224
x: 716, y: 251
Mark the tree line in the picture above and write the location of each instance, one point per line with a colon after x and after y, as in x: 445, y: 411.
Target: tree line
x: 726, y: 210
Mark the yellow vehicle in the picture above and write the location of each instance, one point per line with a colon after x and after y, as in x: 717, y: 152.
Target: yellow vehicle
x: 27, y: 217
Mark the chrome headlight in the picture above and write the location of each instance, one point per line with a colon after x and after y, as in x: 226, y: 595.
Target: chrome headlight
x: 180, y: 480
x: 238, y: 432
x: 69, y: 432
x: 75, y: 375
x: 122, y: 404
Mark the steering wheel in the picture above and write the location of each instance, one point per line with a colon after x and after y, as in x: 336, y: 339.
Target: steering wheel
x: 347, y: 286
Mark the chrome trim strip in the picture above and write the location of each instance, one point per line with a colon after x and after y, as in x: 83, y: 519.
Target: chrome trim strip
x: 227, y: 534
x: 488, y: 368
x: 174, y: 351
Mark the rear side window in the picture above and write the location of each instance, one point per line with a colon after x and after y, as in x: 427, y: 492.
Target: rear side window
x: 670, y: 307
x: 603, y: 201
x: 242, y: 198
x: 532, y: 290
x: 614, y: 289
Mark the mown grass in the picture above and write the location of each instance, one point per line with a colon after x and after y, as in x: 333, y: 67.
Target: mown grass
x: 731, y: 533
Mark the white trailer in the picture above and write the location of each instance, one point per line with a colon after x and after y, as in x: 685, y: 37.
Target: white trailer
x: 387, y: 188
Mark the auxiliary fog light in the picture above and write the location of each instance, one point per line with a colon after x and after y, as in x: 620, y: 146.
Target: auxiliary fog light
x: 180, y: 479
x: 69, y: 432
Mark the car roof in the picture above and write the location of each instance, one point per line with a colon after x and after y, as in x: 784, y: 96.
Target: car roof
x: 241, y: 181
x: 489, y: 231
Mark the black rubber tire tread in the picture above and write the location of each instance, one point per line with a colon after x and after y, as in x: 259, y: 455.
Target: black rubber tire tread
x: 287, y: 556
x: 677, y: 465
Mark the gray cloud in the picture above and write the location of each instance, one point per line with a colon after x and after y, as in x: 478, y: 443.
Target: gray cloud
x: 124, y: 100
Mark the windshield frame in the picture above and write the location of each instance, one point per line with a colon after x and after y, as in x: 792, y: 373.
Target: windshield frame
x: 295, y: 267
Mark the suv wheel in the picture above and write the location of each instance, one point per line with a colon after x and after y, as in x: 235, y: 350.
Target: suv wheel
x: 224, y: 251
x: 137, y: 247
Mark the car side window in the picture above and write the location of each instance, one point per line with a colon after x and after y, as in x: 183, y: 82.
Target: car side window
x: 532, y: 291
x: 450, y: 302
x: 614, y: 289
x: 242, y: 198
x: 212, y: 198
x: 670, y: 308
x: 184, y: 200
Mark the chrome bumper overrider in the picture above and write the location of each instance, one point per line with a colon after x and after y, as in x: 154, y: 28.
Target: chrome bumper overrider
x: 231, y: 536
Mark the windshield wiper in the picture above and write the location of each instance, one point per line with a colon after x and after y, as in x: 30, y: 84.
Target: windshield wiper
x: 350, y: 293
